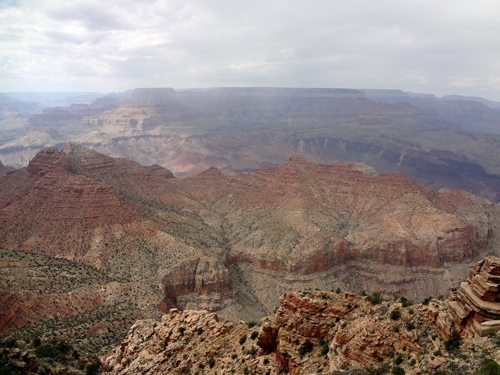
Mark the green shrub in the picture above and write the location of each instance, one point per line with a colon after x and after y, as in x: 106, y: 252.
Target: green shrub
x: 11, y: 343
x: 9, y: 370
x: 63, y: 346
x: 93, y: 369
x: 36, y: 342
x: 254, y: 335
x: 398, y: 371
x: 438, y: 352
x: 410, y: 326
x: 266, y: 361
x: 181, y: 330
x: 426, y: 301
x: 243, y: 338
x: 375, y: 298
x: 211, y: 362
x: 336, y: 291
x: 324, y: 349
x: 234, y: 356
x: 395, y: 314
x: 489, y: 368
x: 398, y: 360
x: 200, y: 331
x: 251, y: 324
x: 306, y: 347
x: 253, y: 351
x: 405, y: 302
x: 47, y: 351
x: 453, y: 342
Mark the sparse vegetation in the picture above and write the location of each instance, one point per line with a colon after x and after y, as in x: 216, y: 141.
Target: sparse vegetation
x: 453, y: 342
x: 398, y: 360
x: 93, y: 369
x: 489, y: 368
x: 306, y: 347
x: 405, y: 302
x: 395, y: 314
x: 426, y: 301
x: 375, y: 298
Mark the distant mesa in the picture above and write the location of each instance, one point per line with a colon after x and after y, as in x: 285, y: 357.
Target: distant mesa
x: 444, y: 143
x: 152, y: 95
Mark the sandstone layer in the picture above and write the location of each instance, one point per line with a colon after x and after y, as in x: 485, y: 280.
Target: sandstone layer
x: 475, y: 307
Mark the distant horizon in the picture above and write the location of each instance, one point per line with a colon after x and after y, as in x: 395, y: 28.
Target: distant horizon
x: 242, y: 87
x: 444, y: 48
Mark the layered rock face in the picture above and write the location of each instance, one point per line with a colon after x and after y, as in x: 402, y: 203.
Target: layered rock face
x: 233, y: 244
x: 311, y: 332
x: 475, y: 307
x: 201, y: 284
x: 355, y: 340
x: 189, y: 341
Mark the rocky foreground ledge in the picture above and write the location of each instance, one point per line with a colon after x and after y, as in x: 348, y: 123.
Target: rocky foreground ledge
x: 312, y: 332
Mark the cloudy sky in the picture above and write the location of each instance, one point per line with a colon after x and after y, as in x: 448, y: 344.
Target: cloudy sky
x: 439, y: 46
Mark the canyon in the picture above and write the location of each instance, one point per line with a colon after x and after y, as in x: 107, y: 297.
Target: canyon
x: 448, y: 142
x: 228, y: 244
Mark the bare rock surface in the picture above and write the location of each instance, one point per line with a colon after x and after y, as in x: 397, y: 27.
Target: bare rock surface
x: 311, y: 332
x: 475, y: 307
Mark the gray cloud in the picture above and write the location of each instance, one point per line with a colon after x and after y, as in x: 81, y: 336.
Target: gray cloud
x: 445, y: 47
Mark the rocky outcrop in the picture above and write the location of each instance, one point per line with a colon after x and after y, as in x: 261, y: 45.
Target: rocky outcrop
x: 188, y: 342
x: 311, y: 332
x: 201, y: 283
x: 475, y: 307
x: 338, y: 323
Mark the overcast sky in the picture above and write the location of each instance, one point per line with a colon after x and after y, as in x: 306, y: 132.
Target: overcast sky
x: 439, y: 46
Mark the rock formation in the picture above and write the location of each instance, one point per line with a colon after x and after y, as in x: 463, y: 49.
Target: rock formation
x: 311, y: 332
x: 475, y: 307
x: 201, y: 284
x: 356, y: 340
x: 233, y: 244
